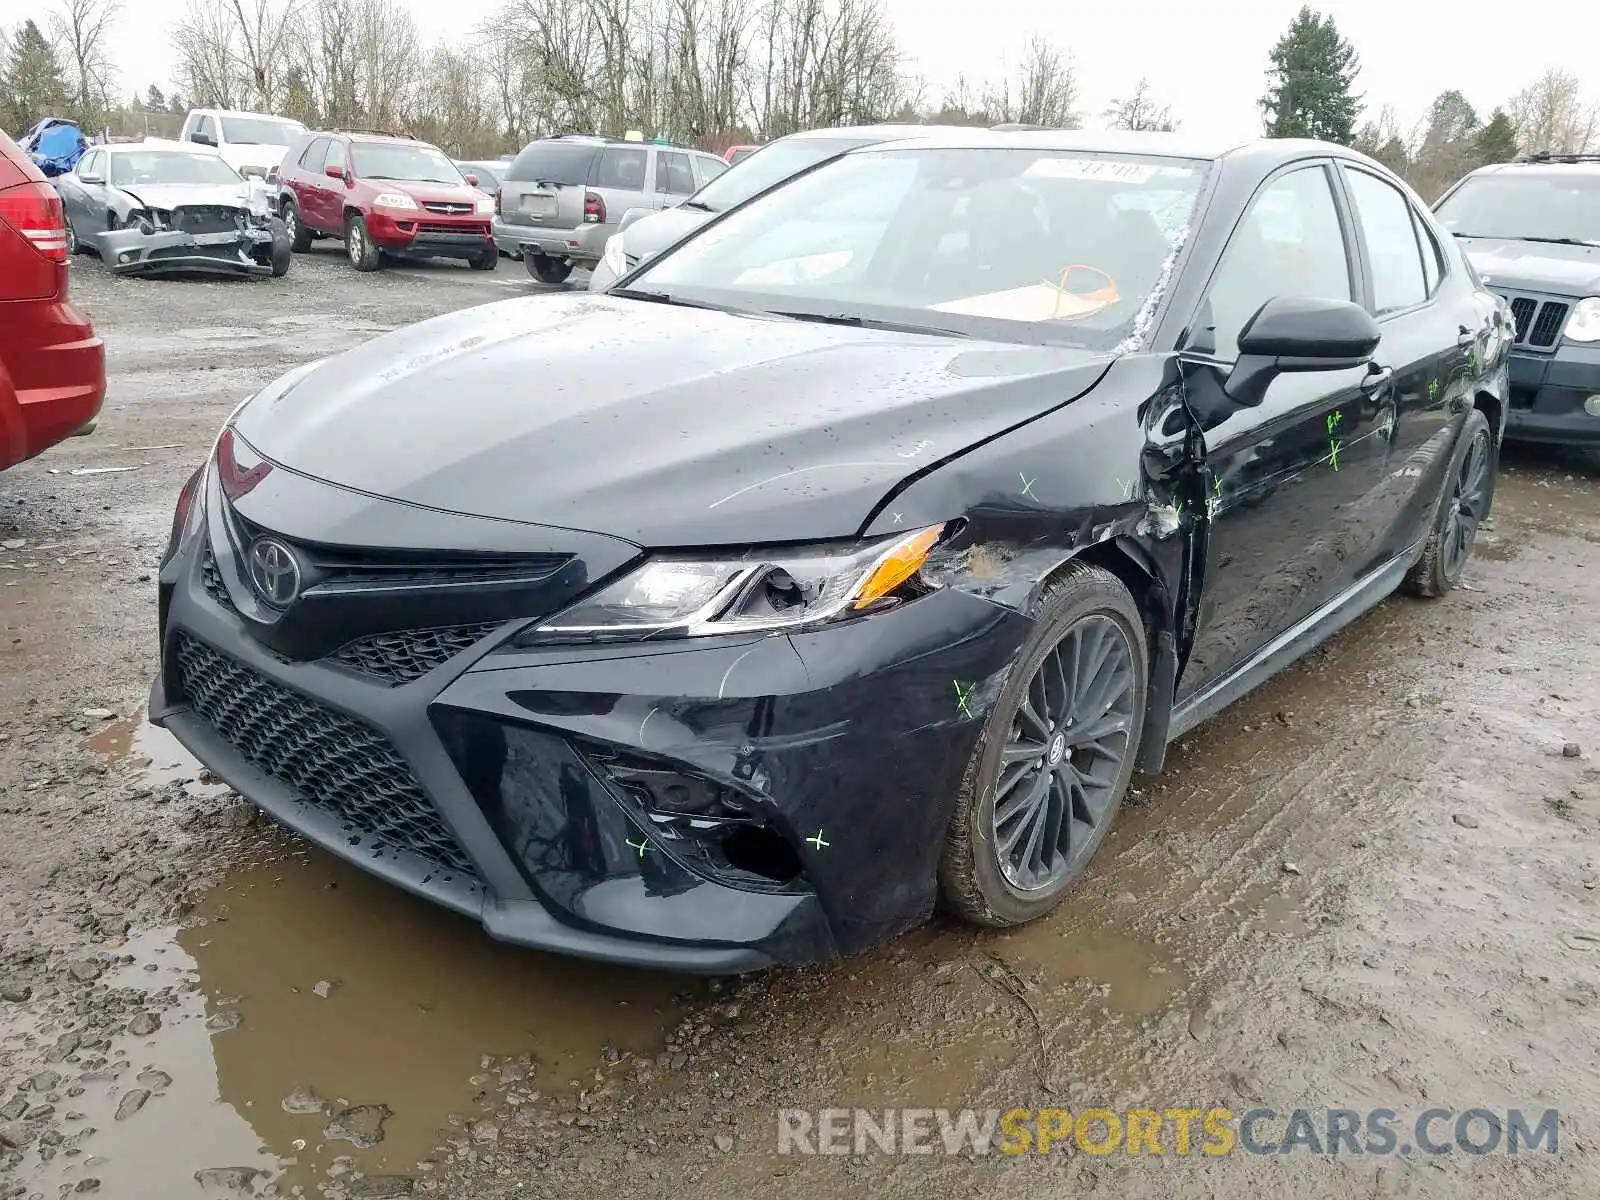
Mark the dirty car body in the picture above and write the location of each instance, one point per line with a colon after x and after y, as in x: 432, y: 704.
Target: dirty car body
x: 150, y: 209
x: 738, y: 646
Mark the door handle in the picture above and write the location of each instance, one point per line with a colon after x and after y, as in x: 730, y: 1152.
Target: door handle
x: 1377, y: 379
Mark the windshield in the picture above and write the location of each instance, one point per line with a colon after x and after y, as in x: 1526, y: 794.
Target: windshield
x: 759, y: 170
x: 1545, y: 205
x: 1030, y: 245
x: 259, y: 131
x: 169, y: 166
x: 394, y: 160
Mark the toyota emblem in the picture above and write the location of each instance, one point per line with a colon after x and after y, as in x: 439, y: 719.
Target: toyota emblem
x: 274, y: 572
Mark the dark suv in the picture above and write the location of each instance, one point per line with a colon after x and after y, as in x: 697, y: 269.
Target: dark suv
x: 383, y: 194
x: 1532, y: 230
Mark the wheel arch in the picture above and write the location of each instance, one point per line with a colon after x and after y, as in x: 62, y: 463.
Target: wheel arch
x: 1494, y: 411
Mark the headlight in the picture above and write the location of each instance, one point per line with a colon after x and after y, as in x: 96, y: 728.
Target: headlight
x: 394, y: 200
x: 1584, y: 323
x: 760, y: 591
x: 258, y: 172
x: 615, y: 258
x: 485, y: 206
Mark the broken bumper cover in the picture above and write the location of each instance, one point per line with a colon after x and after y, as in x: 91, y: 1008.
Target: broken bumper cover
x: 133, y: 252
x: 506, y: 780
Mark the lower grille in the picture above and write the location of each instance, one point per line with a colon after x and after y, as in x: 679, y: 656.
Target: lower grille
x: 206, y: 218
x: 396, y: 658
x: 441, y: 227
x: 340, y: 765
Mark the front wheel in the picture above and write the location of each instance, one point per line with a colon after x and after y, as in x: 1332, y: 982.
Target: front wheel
x: 299, y: 235
x: 364, y: 254
x: 72, y: 239
x: 1463, y: 504
x: 282, y: 248
x: 487, y: 261
x: 546, y: 269
x: 1056, y: 755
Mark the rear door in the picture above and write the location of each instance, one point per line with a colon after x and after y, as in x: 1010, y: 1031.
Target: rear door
x: 330, y: 191
x: 303, y: 181
x: 1429, y: 331
x: 543, y: 188
x: 621, y: 176
x: 674, y: 180
x: 1286, y: 481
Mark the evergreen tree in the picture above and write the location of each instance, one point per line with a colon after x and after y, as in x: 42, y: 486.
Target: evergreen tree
x: 154, y: 100
x: 1309, y: 81
x: 1497, y: 141
x: 33, y: 84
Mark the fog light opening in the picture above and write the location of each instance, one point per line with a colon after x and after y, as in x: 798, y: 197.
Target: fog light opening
x: 1592, y: 406
x: 761, y: 852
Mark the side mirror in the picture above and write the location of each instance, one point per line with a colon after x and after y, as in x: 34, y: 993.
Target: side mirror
x: 1297, y: 334
x: 472, y: 180
x: 91, y: 179
x: 203, y: 139
x: 333, y: 172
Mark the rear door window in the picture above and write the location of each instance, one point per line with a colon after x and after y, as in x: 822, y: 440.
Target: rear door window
x: 315, y: 153
x: 674, y: 176
x: 563, y: 164
x: 623, y: 168
x: 1398, y: 281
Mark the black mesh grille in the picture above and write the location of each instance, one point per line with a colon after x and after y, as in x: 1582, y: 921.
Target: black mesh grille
x: 1548, y: 327
x: 207, y: 218
x: 1522, y: 310
x: 338, y: 764
x: 397, y: 658
x: 211, y: 580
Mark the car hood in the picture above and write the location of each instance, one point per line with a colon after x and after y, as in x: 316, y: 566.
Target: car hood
x: 173, y: 195
x: 1536, y: 266
x: 653, y: 234
x: 666, y: 425
x: 240, y: 155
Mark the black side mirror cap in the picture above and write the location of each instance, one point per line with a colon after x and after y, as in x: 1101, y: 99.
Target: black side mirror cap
x: 1290, y: 333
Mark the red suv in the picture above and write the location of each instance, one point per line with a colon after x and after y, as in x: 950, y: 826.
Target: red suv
x: 52, y: 366
x: 383, y: 194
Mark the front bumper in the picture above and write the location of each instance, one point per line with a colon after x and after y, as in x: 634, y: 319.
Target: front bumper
x: 583, y: 245
x: 1548, y: 392
x: 495, y: 792
x: 131, y: 252
x: 430, y: 235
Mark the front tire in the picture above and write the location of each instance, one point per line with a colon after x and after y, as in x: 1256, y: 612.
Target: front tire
x: 299, y: 235
x: 487, y: 261
x: 1464, y: 502
x: 1056, y: 756
x: 364, y: 255
x: 72, y: 240
x: 546, y: 269
x: 282, y: 248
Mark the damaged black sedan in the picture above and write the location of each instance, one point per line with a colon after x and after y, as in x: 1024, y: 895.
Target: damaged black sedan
x: 845, y: 561
x: 153, y: 207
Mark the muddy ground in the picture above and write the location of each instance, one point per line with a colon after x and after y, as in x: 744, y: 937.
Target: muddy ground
x: 1373, y: 883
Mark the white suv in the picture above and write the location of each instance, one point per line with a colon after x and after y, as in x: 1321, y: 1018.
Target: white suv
x: 250, y: 143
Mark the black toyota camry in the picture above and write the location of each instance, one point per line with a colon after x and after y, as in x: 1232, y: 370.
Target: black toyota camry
x: 845, y: 561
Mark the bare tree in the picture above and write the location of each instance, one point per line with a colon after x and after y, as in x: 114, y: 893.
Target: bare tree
x: 1043, y: 91
x: 1551, y: 114
x: 82, y: 30
x: 1140, y: 112
x: 263, y: 29
x: 206, y: 67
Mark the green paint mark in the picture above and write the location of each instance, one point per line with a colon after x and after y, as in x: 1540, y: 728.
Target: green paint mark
x: 1216, y: 486
x: 1027, y: 485
x: 1472, y: 361
x: 817, y: 841
x: 641, y: 847
x: 964, y: 697
x: 1334, y: 418
x: 1433, y: 388
x: 1333, y: 452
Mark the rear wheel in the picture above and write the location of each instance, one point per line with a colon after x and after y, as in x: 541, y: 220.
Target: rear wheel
x: 1056, y: 756
x: 281, y: 252
x: 364, y: 255
x: 72, y: 239
x: 546, y: 269
x: 1463, y: 505
x: 299, y: 235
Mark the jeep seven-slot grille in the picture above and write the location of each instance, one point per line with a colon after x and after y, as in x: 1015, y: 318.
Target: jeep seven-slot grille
x: 329, y: 760
x: 396, y: 658
x: 1539, y: 324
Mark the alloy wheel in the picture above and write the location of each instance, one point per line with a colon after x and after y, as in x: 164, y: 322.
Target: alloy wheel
x: 1469, y: 501
x: 1062, y: 761
x: 356, y: 248
x: 291, y: 222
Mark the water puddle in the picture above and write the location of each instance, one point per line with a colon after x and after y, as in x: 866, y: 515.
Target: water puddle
x: 314, y: 1027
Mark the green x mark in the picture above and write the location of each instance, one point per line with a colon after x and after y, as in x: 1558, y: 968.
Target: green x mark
x: 1333, y: 452
x: 964, y: 697
x: 641, y: 846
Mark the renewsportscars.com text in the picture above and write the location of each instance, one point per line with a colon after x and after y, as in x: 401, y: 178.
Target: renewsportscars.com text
x: 1163, y: 1131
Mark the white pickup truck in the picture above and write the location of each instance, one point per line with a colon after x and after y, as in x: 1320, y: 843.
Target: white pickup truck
x: 250, y: 143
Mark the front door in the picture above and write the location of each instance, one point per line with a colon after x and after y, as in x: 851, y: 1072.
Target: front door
x: 1287, y: 482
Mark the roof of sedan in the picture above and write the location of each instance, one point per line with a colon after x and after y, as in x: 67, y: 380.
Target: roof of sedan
x: 1092, y: 141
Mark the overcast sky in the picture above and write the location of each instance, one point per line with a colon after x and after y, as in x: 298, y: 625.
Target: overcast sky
x: 1207, y: 60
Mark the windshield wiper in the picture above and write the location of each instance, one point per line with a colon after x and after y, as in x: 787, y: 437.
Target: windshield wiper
x: 700, y: 204
x: 669, y: 298
x: 1548, y: 241
x: 861, y: 322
